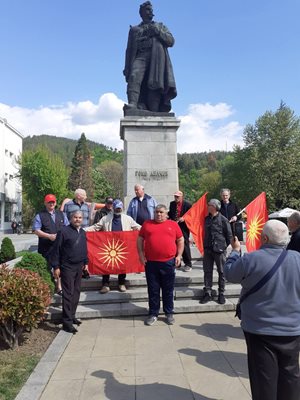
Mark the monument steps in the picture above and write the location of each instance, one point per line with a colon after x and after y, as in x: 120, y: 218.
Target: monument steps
x: 188, y: 291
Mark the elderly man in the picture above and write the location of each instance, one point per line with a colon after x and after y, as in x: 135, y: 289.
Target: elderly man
x: 217, y: 236
x: 270, y: 316
x: 148, y: 69
x: 294, y: 227
x: 228, y: 208
x: 78, y: 203
x: 160, y: 245
x: 177, y: 209
x: 69, y: 259
x: 45, y: 225
x: 142, y: 206
x: 112, y: 222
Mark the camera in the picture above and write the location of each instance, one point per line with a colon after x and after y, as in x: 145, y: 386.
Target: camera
x: 237, y: 230
x: 85, y: 274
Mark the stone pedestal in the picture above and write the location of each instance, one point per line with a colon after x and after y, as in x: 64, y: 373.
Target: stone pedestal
x: 150, y: 156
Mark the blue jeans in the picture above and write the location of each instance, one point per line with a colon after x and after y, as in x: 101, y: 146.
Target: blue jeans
x: 160, y: 275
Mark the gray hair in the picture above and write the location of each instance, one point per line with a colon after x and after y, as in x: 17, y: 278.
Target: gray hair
x: 161, y: 207
x: 76, y: 212
x: 138, y: 185
x: 224, y: 190
x: 295, y: 216
x: 276, y: 231
x: 81, y: 192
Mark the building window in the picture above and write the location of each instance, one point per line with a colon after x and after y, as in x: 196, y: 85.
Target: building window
x: 7, y: 212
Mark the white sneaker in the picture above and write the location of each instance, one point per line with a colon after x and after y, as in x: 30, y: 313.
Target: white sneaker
x: 122, y: 288
x: 104, y: 289
x: 150, y: 320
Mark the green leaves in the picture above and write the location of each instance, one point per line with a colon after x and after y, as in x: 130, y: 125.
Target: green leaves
x: 42, y: 172
x: 24, y: 297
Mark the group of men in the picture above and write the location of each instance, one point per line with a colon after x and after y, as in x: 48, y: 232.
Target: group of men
x: 270, y: 306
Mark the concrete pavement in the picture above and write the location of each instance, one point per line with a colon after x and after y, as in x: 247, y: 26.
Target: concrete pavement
x: 201, y: 357
x: 25, y: 241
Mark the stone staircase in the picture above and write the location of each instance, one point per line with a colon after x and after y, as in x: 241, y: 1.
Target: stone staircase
x: 188, y: 290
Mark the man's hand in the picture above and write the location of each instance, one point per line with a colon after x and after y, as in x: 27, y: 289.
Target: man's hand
x: 142, y: 259
x: 56, y: 273
x: 233, y: 219
x: 52, y: 237
x: 177, y: 261
x: 235, y: 244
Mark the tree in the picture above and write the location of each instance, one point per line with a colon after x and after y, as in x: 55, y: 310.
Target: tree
x: 113, y: 173
x: 102, y: 187
x: 270, y: 160
x: 42, y: 172
x: 81, y: 169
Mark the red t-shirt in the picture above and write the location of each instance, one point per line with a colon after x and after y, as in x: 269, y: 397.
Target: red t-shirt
x: 160, y: 239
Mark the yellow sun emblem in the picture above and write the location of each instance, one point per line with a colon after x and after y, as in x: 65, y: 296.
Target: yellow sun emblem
x: 113, y: 253
x: 254, y: 229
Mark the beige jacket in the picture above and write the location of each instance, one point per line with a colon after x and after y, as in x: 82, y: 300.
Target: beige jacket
x: 105, y: 223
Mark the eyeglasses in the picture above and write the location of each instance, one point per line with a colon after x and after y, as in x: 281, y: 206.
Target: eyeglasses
x: 159, y: 212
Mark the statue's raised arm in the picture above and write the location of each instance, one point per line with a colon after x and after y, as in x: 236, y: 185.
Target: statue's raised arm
x: 148, y: 70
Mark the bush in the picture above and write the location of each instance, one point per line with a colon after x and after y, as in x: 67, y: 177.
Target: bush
x: 37, y: 263
x: 24, y: 297
x: 7, y: 250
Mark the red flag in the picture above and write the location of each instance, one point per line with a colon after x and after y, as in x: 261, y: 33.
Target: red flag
x: 257, y: 216
x: 194, y: 219
x: 113, y: 252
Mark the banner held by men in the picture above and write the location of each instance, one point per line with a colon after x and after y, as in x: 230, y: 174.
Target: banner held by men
x: 194, y: 219
x: 257, y: 216
x: 113, y: 253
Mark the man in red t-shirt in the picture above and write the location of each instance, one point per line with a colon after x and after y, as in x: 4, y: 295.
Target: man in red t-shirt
x: 160, y: 245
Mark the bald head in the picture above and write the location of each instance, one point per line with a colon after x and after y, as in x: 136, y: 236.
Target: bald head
x: 275, y: 232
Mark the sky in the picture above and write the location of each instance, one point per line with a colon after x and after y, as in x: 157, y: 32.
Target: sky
x: 62, y: 61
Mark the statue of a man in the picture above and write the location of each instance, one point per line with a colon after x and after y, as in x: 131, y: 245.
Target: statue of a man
x: 148, y: 69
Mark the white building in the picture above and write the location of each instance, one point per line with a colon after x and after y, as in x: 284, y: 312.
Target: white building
x: 10, y: 187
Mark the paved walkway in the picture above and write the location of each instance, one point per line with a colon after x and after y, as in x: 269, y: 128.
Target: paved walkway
x: 201, y: 357
x: 25, y: 241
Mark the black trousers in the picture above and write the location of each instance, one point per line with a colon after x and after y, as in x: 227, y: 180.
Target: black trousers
x: 121, y: 279
x: 186, y: 255
x: 273, y: 363
x: 210, y: 257
x: 70, y: 282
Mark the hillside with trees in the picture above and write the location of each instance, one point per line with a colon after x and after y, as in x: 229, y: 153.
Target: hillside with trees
x: 269, y: 161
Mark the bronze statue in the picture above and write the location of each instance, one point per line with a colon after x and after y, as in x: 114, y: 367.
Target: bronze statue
x: 148, y: 69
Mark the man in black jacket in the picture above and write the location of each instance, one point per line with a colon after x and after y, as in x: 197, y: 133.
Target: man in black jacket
x: 293, y: 223
x: 107, y: 209
x: 217, y: 237
x: 177, y: 209
x: 228, y: 208
x: 69, y: 258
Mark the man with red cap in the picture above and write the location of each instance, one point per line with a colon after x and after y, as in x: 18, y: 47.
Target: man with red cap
x: 46, y: 224
x: 177, y: 209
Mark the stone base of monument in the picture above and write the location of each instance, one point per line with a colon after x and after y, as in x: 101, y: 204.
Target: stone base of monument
x: 150, y: 156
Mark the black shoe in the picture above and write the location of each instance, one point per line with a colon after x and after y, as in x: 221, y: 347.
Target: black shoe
x: 77, y: 321
x: 70, y: 329
x: 206, y: 298
x: 221, y: 299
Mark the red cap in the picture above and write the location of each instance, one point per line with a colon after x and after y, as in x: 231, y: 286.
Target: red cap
x: 178, y: 193
x: 49, y: 197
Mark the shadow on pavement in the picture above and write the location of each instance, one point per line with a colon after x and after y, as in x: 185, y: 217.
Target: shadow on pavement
x: 236, y: 363
x: 218, y: 332
x: 153, y: 391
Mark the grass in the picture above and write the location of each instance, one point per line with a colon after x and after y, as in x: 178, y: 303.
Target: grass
x: 15, y: 369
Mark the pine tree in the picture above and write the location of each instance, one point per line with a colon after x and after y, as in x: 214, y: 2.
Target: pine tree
x: 81, y: 169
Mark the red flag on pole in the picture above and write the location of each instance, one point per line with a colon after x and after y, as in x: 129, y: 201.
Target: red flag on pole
x: 257, y: 216
x: 194, y: 219
x: 113, y: 253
